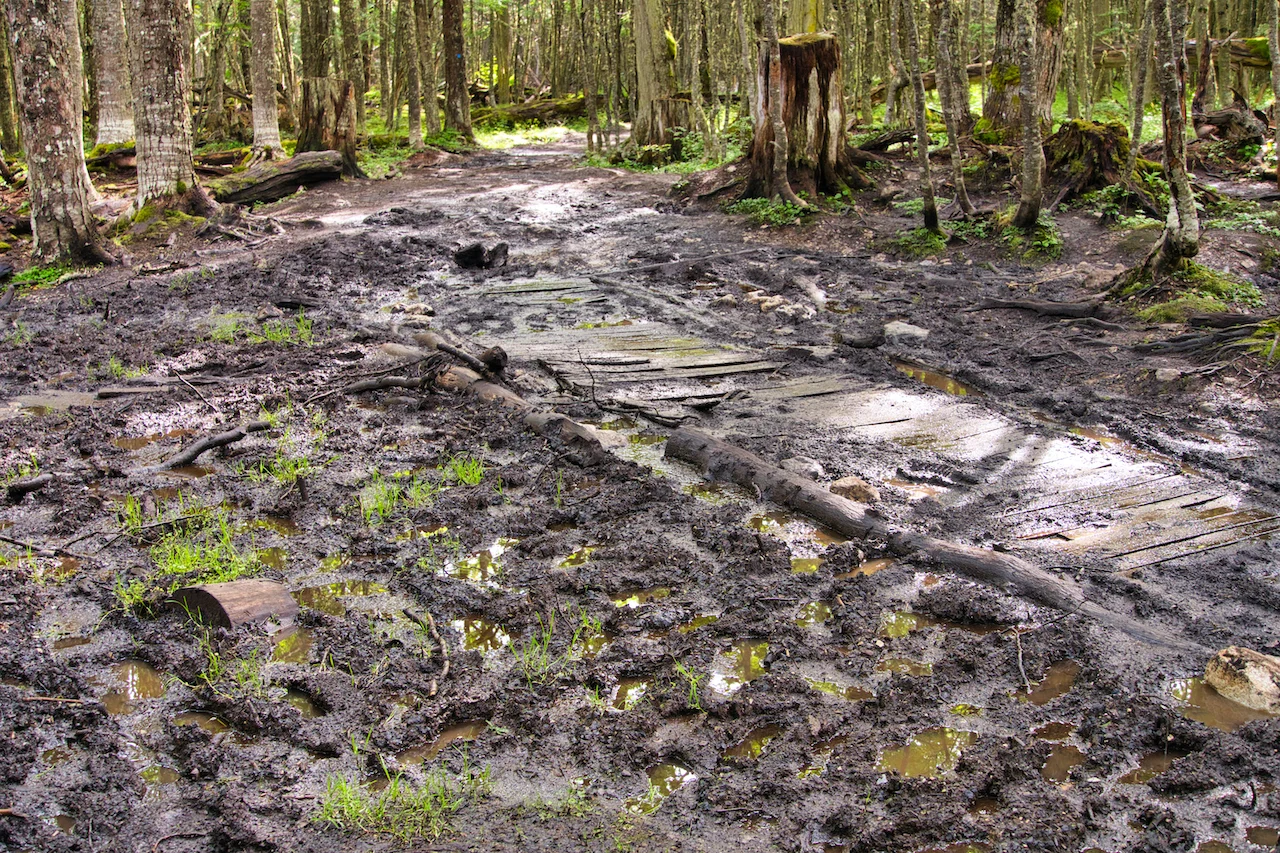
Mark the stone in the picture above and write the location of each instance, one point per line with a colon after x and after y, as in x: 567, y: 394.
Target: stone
x: 1168, y: 374
x: 855, y: 489
x: 810, y: 469
x: 1246, y: 677
x: 899, y: 332
x: 726, y: 301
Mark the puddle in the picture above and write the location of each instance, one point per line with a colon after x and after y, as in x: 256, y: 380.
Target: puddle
x: 702, y: 620
x: 71, y: 642
x: 905, y: 666
x: 916, y: 491
x: 1062, y: 760
x: 931, y: 753
x: 617, y: 424
x: 139, y: 442
x: 814, y: 614
x: 606, y: 324
x: 294, y: 646
x: 1054, y: 731
x: 1060, y: 678
x: 634, y: 598
x: 157, y: 775
x: 743, y: 664
x: 414, y: 533
x: 49, y: 402
x: 900, y: 623
x: 822, y: 752
x: 484, y: 567
x: 1200, y: 702
x: 579, y: 557
x: 937, y: 379
x: 806, y: 565
x: 849, y: 692
x: 468, y: 731
x: 964, y: 709
x: 328, y: 598
x: 57, y: 755
x: 189, y: 472
x: 208, y: 722
x: 1263, y: 836
x: 752, y: 746
x: 65, y: 823
x: 140, y: 682
x: 1150, y: 766
x: 627, y: 693
x: 791, y: 528
x: 664, y: 780
x: 984, y: 806
x: 646, y: 440
x: 869, y: 568
x: 279, y: 524
x: 481, y: 635
x: 273, y: 558
x: 304, y: 703
x: 716, y: 494
x: 1215, y: 847
x: 594, y: 643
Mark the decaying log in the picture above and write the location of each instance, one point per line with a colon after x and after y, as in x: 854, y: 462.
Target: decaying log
x: 274, y: 180
x: 1238, y: 124
x: 723, y: 461
x: 230, y: 605
x: 192, y: 453
x: 1083, y: 156
x: 1042, y: 307
x: 543, y: 112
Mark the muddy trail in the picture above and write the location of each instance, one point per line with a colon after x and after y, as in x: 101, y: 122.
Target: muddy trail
x: 515, y: 639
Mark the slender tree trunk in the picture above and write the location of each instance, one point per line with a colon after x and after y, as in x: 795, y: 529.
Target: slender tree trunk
x: 930, y: 208
x: 657, y: 110
x: 352, y: 61
x: 589, y: 87
x: 425, y: 30
x: 502, y: 52
x: 10, y: 138
x: 897, y: 76
x: 780, y: 185
x: 806, y: 16
x: 1273, y: 43
x: 43, y: 37
x: 384, y: 60
x: 1181, y: 239
x: 947, y: 87
x: 115, y: 95
x: 1141, y: 60
x: 262, y: 62
x: 406, y: 24
x: 1031, y: 196
x: 1002, y: 110
x: 457, y: 99
x: 286, y: 58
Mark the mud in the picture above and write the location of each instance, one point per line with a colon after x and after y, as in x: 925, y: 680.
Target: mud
x: 639, y: 660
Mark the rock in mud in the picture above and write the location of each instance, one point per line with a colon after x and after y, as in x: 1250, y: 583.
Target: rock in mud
x: 899, y: 332
x: 804, y: 466
x: 856, y: 489
x: 477, y: 257
x: 1246, y: 677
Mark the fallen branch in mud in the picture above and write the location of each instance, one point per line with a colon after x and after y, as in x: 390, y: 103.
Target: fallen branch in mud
x: 723, y: 461
x: 12, y: 813
x: 192, y: 453
x: 17, y: 491
x: 1042, y: 307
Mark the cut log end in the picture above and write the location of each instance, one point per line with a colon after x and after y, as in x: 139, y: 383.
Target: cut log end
x: 230, y: 605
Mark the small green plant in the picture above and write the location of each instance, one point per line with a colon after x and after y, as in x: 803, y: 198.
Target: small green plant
x: 224, y: 328
x: 300, y: 331
x: 21, y: 334
x: 534, y: 655
x: 119, y: 370
x: 42, y: 276
x: 131, y: 594
x: 693, y: 683
x: 559, y: 495
x: 291, y: 462
x: 467, y: 470
x: 1198, y: 289
x: 1264, y: 342
x: 203, y: 551
x: 379, y: 499
x: 1040, y: 242
x: 919, y: 243
x: 763, y: 211
x: 23, y: 470
x: 915, y: 206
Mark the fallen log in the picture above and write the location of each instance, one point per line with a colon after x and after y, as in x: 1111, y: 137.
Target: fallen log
x: 192, y: 453
x: 236, y: 603
x: 542, y: 112
x: 1042, y: 307
x: 723, y: 461
x: 274, y: 180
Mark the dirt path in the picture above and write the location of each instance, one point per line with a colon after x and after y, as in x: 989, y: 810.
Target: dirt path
x: 720, y: 674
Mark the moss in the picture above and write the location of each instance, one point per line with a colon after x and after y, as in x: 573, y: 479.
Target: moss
x: 1258, y: 47
x: 672, y: 44
x: 1178, y: 309
x: 1215, y: 284
x: 1004, y: 75
x: 984, y: 132
x: 919, y: 243
x: 146, y: 213
x: 804, y: 39
x: 1051, y: 13
x: 181, y: 187
x: 106, y: 148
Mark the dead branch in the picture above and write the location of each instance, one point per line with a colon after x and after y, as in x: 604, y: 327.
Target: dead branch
x: 193, y: 452
x: 17, y: 491
x: 1042, y: 307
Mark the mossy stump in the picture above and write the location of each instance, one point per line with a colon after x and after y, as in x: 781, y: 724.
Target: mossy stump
x: 1084, y: 156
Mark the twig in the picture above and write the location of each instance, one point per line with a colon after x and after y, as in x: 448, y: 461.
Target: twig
x: 1017, y: 639
x: 58, y: 700
x: 469, y: 360
x: 12, y: 813
x: 196, y: 390
x: 165, y: 838
x: 192, y: 453
x: 28, y: 546
x: 20, y: 489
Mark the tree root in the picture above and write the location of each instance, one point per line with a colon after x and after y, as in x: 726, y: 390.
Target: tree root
x: 192, y: 453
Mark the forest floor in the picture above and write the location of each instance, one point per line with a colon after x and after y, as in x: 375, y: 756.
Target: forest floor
x: 637, y: 659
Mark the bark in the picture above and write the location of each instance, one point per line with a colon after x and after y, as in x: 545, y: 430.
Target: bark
x: 407, y: 26
x: 897, y: 76
x: 262, y: 61
x: 316, y: 36
x: 384, y: 60
x: 589, y: 86
x: 771, y: 148
x: 1273, y: 44
x: 286, y: 58
x: 10, y: 138
x: 930, y: 209
x: 162, y: 90
x: 502, y: 51
x: 43, y: 37
x: 327, y: 121
x: 1181, y: 238
x: 275, y: 180
x: 951, y: 98
x: 1031, y: 195
x: 111, y: 67
x: 424, y: 21
x: 1002, y: 111
x: 806, y: 16
x: 457, y: 102
x: 352, y: 61
x: 1138, y: 97
x: 658, y: 110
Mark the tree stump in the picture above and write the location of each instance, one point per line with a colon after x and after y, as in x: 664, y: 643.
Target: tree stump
x: 813, y: 110
x: 1084, y: 156
x: 328, y: 120
x: 237, y: 603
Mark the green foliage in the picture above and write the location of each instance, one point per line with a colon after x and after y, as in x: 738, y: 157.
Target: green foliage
x: 198, y: 549
x: 300, y: 331
x: 535, y: 657
x: 450, y: 140
x: 1040, y: 242
x: 1263, y: 343
x: 21, y: 334
x: 24, y: 470
x: 402, y: 810
x: 915, y: 206
x: 763, y: 211
x: 379, y: 499
x: 224, y: 328
x: 131, y: 593
x: 692, y: 682
x: 41, y: 276
x: 919, y: 243
x: 1198, y: 289
x: 972, y: 229
x: 119, y: 370
x: 1244, y: 216
x: 467, y: 470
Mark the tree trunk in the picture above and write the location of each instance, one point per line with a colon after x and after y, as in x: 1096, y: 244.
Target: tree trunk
x: 1273, y: 43
x: 1138, y: 95
x: 930, y: 207
x: 286, y: 60
x: 806, y: 16
x: 327, y: 122
x: 1001, y: 114
x: 352, y: 62
x: 262, y: 61
x: 897, y: 79
x: 406, y: 26
x: 384, y: 60
x: 1031, y: 196
x: 502, y: 52
x: 424, y: 29
x: 162, y: 90
x: 457, y: 100
x: 111, y: 66
x: 43, y: 37
x: 10, y: 138
x: 316, y: 36
x: 658, y: 110
x: 1181, y: 239
x: 950, y: 99
x: 589, y: 86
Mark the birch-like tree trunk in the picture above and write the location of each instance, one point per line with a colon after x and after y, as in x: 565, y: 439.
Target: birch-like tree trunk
x: 930, y: 207
x: 43, y: 36
x: 111, y: 66
x: 1181, y: 238
x: 1141, y: 59
x: 1031, y: 196
x: 262, y: 67
x: 457, y: 94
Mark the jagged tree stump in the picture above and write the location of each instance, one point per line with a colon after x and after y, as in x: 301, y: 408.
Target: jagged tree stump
x: 1084, y: 156
x: 328, y: 120
x: 813, y: 110
x: 1238, y: 124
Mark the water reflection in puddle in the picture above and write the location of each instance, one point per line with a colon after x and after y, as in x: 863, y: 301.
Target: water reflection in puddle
x: 305, y: 704
x: 1058, y: 681
x: 1054, y: 731
x: 1150, y: 766
x: 849, y: 692
x: 632, y: 599
x: 481, y: 635
x: 753, y: 745
x: 279, y: 524
x: 791, y: 528
x: 937, y: 379
x: 71, y: 643
x: 1263, y: 836
x: 984, y: 806
x: 702, y: 620
x: 293, y: 646
x: 806, y: 565
x: 65, y: 822
x: 814, y: 614
x: 1063, y: 758
x: 579, y: 557
x: 931, y: 753
x: 207, y: 722
x: 328, y: 598
x: 1200, y: 702
x: 627, y: 693
x: 822, y: 752
x: 467, y: 732
x: 664, y: 780
x: 139, y: 442
x: 742, y: 664
x: 484, y: 567
x: 273, y: 558
x: 139, y: 681
x: 869, y: 568
x: 917, y: 491
x: 716, y: 493
x: 905, y: 666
